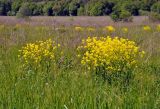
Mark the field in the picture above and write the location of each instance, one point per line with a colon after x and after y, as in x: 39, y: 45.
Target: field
x: 67, y: 84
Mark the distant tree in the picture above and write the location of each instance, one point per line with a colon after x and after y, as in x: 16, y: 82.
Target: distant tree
x: 5, y: 7
x: 38, y: 9
x: 65, y: 11
x: 121, y: 14
x: 95, y: 9
x: 154, y: 17
x: 65, y: 8
x: 108, y: 7
x: 73, y: 7
x: 125, y: 16
x: 61, y: 8
x: 16, y: 6
x: 81, y: 11
x: 156, y: 7
x: 56, y: 9
x: 2, y: 8
x: 47, y: 9
x: 24, y: 11
x: 79, y: 7
x: 146, y: 4
x: 131, y: 7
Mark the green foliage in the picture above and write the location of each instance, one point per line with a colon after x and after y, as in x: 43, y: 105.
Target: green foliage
x: 121, y: 15
x: 24, y: 11
x: 2, y: 10
x: 16, y: 6
x: 61, y: 8
x: 95, y: 9
x: 154, y: 17
x: 115, y: 16
x: 73, y: 7
x: 107, y: 8
x: 78, y: 7
x: 5, y: 7
x: 125, y: 16
x: 37, y: 9
x: 47, y: 9
x: 143, y: 13
x: 81, y: 11
x: 131, y: 7
x: 156, y: 7
x: 56, y: 9
x: 146, y: 4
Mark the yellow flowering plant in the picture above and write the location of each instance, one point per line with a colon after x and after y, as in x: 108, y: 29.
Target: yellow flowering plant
x: 125, y: 30
x: 158, y: 27
x: 109, y: 56
x: 78, y: 28
x: 147, y: 28
x: 109, y: 29
x: 39, y: 54
x: 91, y: 29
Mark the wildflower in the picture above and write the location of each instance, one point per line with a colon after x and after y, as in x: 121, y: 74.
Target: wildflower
x: 142, y: 53
x: 158, y: 27
x: 90, y: 29
x: 36, y: 53
x: 59, y: 45
x: 78, y: 28
x: 78, y: 55
x: 109, y: 29
x: 113, y: 54
x: 147, y: 28
x: 125, y: 30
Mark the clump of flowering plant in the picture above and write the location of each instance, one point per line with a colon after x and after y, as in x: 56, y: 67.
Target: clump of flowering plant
x: 39, y: 54
x: 109, y: 56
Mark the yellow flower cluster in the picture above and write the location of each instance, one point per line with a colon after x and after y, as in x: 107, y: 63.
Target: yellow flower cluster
x: 112, y: 54
x: 147, y: 28
x: 35, y: 53
x: 109, y: 29
x: 78, y: 28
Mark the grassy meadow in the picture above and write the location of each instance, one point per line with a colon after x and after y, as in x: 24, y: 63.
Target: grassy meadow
x: 70, y: 85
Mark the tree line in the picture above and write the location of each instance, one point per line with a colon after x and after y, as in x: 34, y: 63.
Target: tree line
x: 116, y: 8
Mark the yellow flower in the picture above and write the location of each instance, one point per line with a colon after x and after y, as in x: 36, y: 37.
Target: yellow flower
x: 142, y: 53
x: 158, y: 27
x: 78, y: 55
x: 34, y: 53
x: 113, y: 54
x: 59, y: 45
x: 109, y: 28
x: 78, y: 28
x: 90, y: 29
x: 89, y: 68
x: 125, y: 30
x: 147, y: 28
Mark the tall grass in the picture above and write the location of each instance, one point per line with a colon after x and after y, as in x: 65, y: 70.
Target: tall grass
x: 71, y: 86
